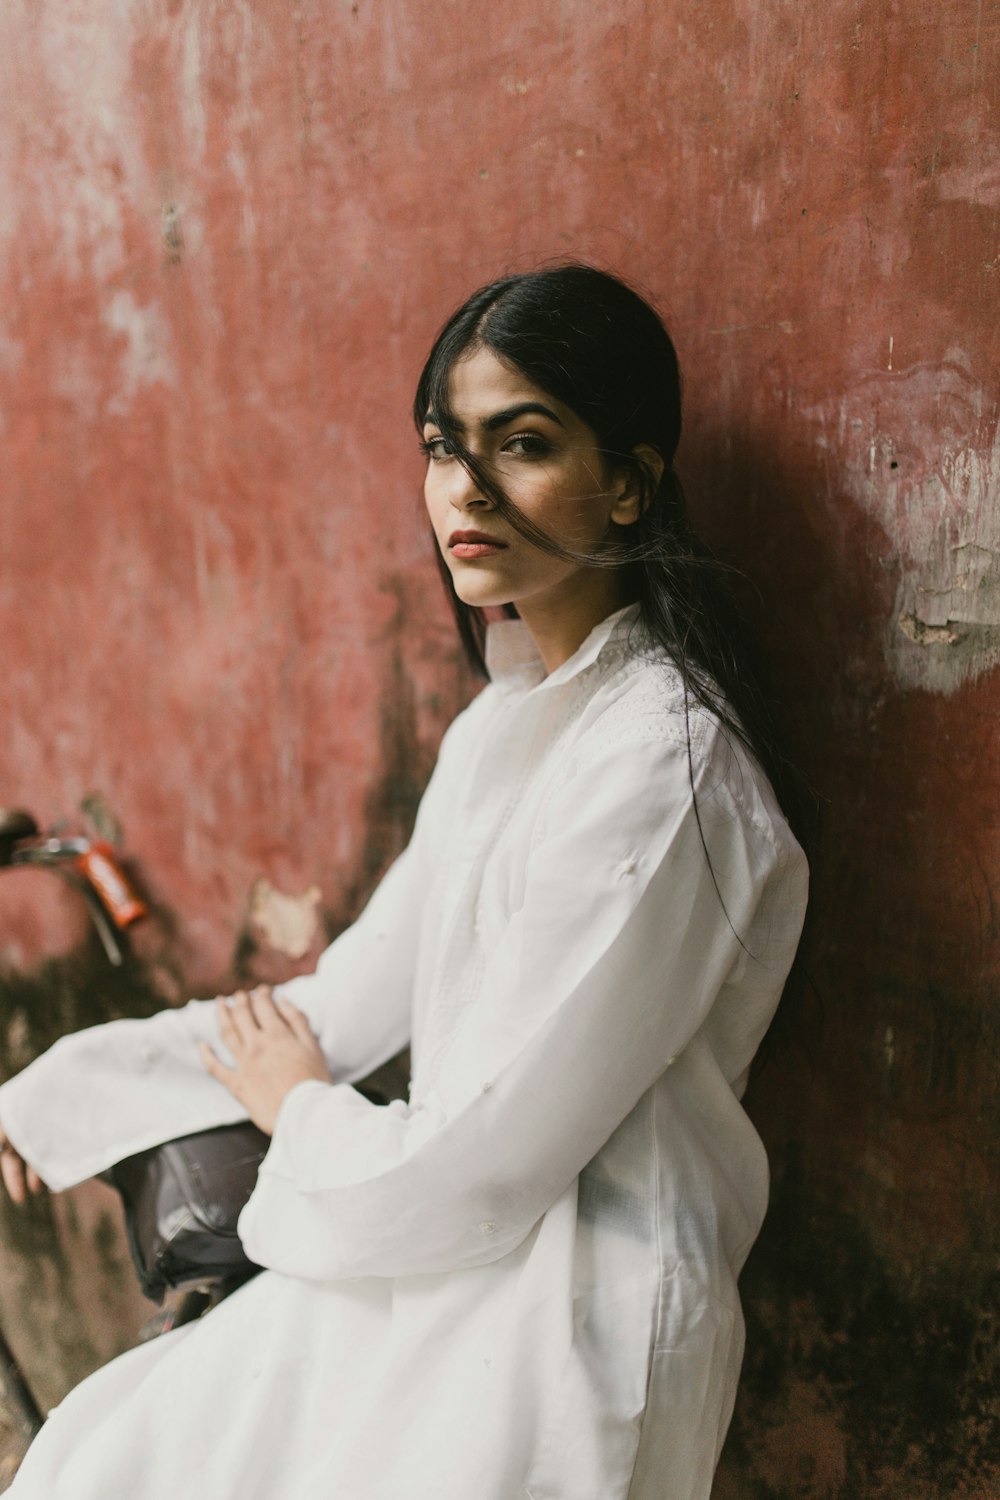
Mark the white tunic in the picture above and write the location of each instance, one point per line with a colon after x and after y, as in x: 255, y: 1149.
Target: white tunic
x: 522, y: 1283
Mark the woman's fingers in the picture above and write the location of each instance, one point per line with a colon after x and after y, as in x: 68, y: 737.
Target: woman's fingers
x: 227, y: 1030
x: 245, y: 1019
x: 237, y: 1024
x: 296, y: 1022
x: 264, y: 1009
x: 213, y: 1065
x: 19, y: 1177
x: 273, y: 1049
x: 241, y: 1014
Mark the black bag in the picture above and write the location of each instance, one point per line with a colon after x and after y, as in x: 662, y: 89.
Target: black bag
x: 182, y: 1200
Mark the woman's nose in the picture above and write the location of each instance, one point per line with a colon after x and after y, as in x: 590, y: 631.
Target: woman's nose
x: 467, y: 492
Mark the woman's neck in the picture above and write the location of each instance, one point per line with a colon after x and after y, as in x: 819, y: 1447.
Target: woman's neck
x: 560, y: 625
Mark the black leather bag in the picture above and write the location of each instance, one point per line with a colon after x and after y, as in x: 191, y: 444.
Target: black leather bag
x: 182, y: 1200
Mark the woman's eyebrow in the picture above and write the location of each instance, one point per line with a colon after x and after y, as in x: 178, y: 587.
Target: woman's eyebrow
x: 501, y: 418
x: 511, y: 414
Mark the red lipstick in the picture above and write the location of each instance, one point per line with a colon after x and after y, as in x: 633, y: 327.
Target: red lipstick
x: 472, y: 544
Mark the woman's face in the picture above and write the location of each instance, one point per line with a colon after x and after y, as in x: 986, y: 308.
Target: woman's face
x: 547, y: 462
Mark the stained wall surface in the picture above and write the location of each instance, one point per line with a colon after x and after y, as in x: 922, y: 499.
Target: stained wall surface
x: 228, y: 232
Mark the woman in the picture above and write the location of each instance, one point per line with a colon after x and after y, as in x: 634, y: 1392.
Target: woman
x: 522, y: 1283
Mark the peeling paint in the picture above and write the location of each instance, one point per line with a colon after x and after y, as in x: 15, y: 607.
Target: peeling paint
x: 145, y: 360
x: 923, y: 634
x: 940, y: 507
x: 288, y: 924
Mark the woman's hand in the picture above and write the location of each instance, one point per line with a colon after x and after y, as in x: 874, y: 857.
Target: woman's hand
x: 19, y: 1178
x: 273, y: 1049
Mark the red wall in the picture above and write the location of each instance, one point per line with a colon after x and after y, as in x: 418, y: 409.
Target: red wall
x: 228, y: 232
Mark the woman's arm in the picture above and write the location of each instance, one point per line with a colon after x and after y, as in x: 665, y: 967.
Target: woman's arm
x: 107, y: 1092
x: 610, y: 968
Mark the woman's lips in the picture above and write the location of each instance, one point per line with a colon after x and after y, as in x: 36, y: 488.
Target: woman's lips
x: 475, y: 549
x: 472, y: 544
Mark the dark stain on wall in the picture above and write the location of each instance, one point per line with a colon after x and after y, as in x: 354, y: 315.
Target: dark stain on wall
x: 69, y: 1299
x: 405, y: 766
x: 863, y: 1381
x: 66, y: 993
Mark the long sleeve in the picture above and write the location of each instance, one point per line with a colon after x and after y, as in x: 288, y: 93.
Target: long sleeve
x: 111, y: 1090
x: 608, y: 967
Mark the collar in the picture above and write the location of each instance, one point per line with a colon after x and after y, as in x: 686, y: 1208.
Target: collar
x: 514, y: 662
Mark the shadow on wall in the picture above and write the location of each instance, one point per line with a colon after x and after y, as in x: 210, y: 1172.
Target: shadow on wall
x: 872, y: 1336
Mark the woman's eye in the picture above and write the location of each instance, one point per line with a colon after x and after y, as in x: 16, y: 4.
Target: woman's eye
x: 527, y: 445
x: 436, y: 448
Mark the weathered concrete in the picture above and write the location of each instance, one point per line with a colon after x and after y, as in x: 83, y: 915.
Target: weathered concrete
x: 227, y: 233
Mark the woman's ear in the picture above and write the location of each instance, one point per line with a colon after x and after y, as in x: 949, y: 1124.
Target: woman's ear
x: 632, y: 498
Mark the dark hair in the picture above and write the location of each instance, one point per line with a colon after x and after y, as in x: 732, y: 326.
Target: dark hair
x: 594, y: 344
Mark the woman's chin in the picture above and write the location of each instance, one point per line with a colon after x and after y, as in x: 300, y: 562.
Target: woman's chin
x: 481, y: 593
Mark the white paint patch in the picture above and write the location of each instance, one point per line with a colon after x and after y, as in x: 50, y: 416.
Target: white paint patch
x: 237, y: 162
x: 80, y: 189
x: 758, y: 204
x: 920, y: 453
x: 192, y: 92
x: 947, y: 618
x: 287, y: 924
x: 979, y: 184
x: 145, y: 361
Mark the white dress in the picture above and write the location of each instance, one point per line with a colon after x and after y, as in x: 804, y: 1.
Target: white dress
x: 522, y: 1283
